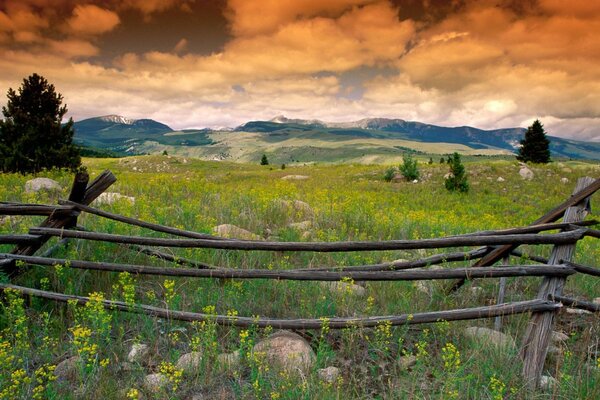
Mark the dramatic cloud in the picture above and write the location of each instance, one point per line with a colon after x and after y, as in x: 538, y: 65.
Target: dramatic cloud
x: 487, y: 63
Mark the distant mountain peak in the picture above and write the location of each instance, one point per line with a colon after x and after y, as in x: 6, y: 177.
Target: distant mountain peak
x: 282, y: 119
x: 117, y: 119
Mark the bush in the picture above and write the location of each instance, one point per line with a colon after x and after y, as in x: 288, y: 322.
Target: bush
x: 264, y: 160
x: 457, y: 181
x: 389, y: 174
x: 408, y: 168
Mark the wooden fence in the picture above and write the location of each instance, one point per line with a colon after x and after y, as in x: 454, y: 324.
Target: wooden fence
x: 492, y: 246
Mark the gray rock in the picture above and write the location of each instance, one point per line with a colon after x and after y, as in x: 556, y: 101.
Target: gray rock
x: 155, y: 382
x: 577, y: 311
x: 190, y: 362
x: 39, y: 184
x: 490, y: 336
x: 500, y: 179
x: 288, y: 351
x: 547, y: 382
x: 564, y: 180
x: 295, y: 177
x: 139, y: 353
x: 68, y: 370
x: 345, y: 287
x: 559, y: 337
x: 232, y: 231
x: 329, y: 374
x: 112, y: 197
x: 301, y: 226
x: 406, y: 362
x: 526, y: 173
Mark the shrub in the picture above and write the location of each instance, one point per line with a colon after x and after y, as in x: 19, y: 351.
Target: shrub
x: 457, y: 181
x: 264, y: 160
x: 389, y: 174
x: 408, y: 168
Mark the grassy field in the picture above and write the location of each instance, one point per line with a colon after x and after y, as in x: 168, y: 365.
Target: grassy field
x: 348, y: 202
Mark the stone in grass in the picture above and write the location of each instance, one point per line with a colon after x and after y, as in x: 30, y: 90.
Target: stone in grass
x: 559, y: 337
x: 577, y: 311
x: 329, y: 374
x: 407, y: 361
x: 232, y: 231
x: 490, y: 336
x: 345, y: 287
x: 68, y: 370
x: 301, y: 226
x: 547, y: 382
x: 190, y: 362
x: 526, y: 173
x: 229, y: 360
x: 155, y: 382
x: 112, y: 197
x: 295, y: 177
x: 286, y: 350
x: 39, y: 184
x: 139, y: 353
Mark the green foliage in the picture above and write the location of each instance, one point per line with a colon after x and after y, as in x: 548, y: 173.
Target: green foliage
x: 282, y: 166
x: 32, y: 137
x: 264, y: 160
x: 442, y: 160
x: 408, y: 168
x: 389, y: 174
x: 430, y: 161
x: 165, y: 153
x: 457, y: 181
x: 535, y: 146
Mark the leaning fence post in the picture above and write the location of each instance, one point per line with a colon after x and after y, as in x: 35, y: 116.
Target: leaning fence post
x: 541, y: 324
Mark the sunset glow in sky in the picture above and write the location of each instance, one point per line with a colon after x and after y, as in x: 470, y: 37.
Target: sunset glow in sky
x: 210, y: 63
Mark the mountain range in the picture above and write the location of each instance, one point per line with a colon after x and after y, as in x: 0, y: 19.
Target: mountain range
x: 286, y: 140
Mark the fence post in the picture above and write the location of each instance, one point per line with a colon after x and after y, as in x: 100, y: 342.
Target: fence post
x: 541, y: 324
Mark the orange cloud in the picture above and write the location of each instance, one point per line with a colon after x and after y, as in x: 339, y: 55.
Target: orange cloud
x: 92, y: 20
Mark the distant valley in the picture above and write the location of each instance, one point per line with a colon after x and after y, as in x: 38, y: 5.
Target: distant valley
x: 284, y: 140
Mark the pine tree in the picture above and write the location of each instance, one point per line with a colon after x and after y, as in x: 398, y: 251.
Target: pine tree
x: 32, y: 137
x: 535, y: 146
x: 264, y: 160
x: 457, y: 181
x: 408, y: 168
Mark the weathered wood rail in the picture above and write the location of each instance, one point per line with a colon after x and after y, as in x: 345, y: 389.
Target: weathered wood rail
x: 492, y: 246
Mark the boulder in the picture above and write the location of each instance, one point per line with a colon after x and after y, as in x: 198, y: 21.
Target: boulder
x: 139, y: 353
x: 229, y: 360
x: 398, y: 178
x: 68, y: 370
x: 345, y: 287
x: 39, y: 184
x: 500, y: 179
x: 406, y: 362
x: 190, y: 362
x: 287, y: 350
x: 155, y: 382
x: 301, y: 226
x: 112, y: 197
x: 526, y: 173
x: 564, y: 180
x: 547, y: 382
x: 232, y: 231
x: 490, y: 336
x: 295, y: 177
x: 297, y: 209
x: 329, y: 374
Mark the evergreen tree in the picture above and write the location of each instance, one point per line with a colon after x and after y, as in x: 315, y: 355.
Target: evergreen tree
x: 457, y: 181
x: 32, y: 136
x: 264, y: 160
x: 408, y: 168
x: 535, y: 146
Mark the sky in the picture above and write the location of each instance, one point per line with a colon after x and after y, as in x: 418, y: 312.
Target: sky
x: 216, y: 63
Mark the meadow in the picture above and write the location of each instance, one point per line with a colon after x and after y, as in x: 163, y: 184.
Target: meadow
x: 347, y: 202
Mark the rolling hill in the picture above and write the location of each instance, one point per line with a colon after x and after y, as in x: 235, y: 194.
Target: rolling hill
x: 294, y: 140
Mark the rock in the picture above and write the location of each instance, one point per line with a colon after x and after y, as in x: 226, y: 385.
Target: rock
x: 500, y: 179
x: 232, y: 231
x: 139, y: 353
x: 229, y: 360
x: 68, y: 370
x: 39, y: 184
x: 415, y: 181
x: 295, y: 177
x: 559, y: 337
x: 491, y: 336
x: 448, y: 175
x: 112, y: 197
x: 422, y: 287
x: 398, y: 178
x: 577, y: 311
x: 564, y: 180
x: 526, y: 173
x: 155, y: 382
x: 345, y: 287
x: 302, y: 208
x: 476, y: 290
x: 547, y: 382
x: 406, y: 362
x: 329, y: 374
x: 287, y: 350
x: 306, y: 235
x: 297, y: 208
x: 596, y: 300
x: 554, y: 350
x: 301, y: 226
x: 190, y: 362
